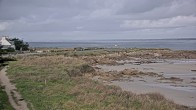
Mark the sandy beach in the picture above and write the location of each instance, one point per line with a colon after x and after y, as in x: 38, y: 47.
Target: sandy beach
x: 178, y: 81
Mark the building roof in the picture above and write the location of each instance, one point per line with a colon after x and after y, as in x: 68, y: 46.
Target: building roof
x: 4, y: 41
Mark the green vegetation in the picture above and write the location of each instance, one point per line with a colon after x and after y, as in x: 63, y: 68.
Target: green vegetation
x: 4, y: 102
x: 20, y: 44
x: 59, y: 82
x: 6, y: 51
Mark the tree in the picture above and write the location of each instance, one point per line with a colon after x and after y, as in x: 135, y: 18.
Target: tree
x: 20, y: 44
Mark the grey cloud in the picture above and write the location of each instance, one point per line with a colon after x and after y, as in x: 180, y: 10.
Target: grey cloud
x: 179, y: 21
x: 136, y: 6
x: 159, y: 9
x: 97, y: 19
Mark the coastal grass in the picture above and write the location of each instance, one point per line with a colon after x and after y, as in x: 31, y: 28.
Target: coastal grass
x: 58, y: 83
x: 4, y: 102
x: 86, y: 53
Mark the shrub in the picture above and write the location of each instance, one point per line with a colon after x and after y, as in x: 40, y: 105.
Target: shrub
x: 79, y: 70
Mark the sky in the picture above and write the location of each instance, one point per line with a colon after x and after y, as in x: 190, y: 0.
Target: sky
x: 62, y: 20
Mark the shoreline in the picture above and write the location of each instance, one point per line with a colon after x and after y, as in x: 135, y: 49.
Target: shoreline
x: 182, y: 90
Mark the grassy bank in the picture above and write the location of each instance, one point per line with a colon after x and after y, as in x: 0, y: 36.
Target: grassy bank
x: 4, y: 101
x: 58, y: 82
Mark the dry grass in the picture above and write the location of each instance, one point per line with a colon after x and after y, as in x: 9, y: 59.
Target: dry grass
x: 171, y: 79
x: 133, y: 72
x: 127, y: 73
x: 112, y: 56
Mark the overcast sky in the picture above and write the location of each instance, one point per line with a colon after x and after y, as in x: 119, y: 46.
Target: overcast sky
x: 62, y: 20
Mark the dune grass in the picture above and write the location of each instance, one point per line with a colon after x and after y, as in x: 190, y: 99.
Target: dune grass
x: 57, y: 83
x: 4, y: 102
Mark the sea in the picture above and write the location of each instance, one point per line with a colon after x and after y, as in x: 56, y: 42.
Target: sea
x: 174, y: 44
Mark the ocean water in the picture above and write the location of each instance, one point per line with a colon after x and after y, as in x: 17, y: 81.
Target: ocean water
x: 174, y: 44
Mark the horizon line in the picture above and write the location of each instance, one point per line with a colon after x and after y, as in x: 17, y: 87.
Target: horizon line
x: 83, y: 40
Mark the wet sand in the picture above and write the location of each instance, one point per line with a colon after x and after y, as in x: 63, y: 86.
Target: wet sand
x: 182, y: 91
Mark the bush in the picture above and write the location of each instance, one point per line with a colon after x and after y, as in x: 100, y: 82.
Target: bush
x: 80, y: 70
x: 20, y: 44
x: 10, y: 49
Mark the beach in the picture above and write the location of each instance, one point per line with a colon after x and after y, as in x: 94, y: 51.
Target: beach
x: 177, y: 81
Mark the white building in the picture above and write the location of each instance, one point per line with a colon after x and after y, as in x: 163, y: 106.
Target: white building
x: 5, y: 43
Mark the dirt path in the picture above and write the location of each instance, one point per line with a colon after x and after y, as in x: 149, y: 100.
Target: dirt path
x: 15, y: 98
